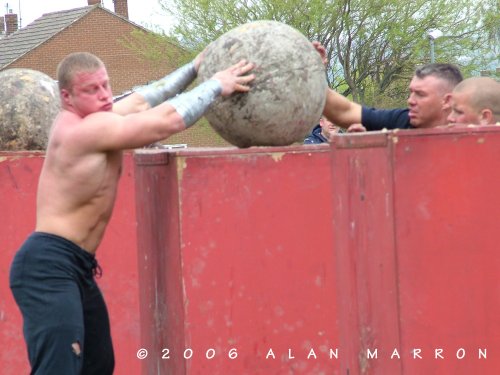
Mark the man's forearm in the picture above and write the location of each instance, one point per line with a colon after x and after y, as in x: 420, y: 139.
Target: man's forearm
x: 169, y: 86
x: 193, y: 104
x: 340, y: 110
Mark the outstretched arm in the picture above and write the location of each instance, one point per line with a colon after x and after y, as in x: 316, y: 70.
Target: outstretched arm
x: 338, y: 109
x: 169, y: 86
x: 151, y: 95
x: 193, y: 104
x: 109, y: 131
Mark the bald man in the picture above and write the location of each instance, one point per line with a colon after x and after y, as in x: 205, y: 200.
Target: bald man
x: 476, y: 101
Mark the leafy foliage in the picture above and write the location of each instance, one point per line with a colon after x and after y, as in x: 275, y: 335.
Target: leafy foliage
x: 373, y: 46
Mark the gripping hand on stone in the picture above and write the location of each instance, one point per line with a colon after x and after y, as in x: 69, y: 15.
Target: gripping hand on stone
x: 235, y: 78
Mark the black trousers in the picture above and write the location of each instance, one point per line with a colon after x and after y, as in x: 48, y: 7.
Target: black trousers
x: 65, y: 320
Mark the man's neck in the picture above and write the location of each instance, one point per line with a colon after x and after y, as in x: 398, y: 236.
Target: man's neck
x: 440, y: 121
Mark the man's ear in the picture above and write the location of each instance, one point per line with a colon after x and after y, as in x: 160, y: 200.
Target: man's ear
x: 65, y: 96
x: 486, y: 117
x: 447, y: 101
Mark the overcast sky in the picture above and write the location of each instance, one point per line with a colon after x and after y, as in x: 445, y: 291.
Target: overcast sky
x: 143, y: 12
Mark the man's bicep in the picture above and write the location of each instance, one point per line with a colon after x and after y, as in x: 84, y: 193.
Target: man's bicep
x: 142, y: 128
x: 98, y: 132
x: 132, y: 103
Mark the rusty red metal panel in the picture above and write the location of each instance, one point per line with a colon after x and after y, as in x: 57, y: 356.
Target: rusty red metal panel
x: 428, y: 206
x: 160, y: 263
x: 247, y: 244
x: 19, y: 173
x: 365, y: 251
x: 18, y: 178
x: 447, y: 213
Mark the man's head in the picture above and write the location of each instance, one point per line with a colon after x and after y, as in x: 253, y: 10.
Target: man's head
x: 84, y: 84
x: 476, y: 101
x: 430, y: 94
x: 328, y: 128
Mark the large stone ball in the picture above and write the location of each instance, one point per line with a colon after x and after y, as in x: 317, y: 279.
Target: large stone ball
x: 287, y: 96
x: 29, y: 102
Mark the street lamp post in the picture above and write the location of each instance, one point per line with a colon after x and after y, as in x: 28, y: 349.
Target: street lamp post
x: 433, y: 59
x: 433, y: 34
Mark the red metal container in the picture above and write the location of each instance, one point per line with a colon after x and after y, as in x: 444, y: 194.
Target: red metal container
x: 378, y: 255
x: 235, y: 261
x: 416, y: 221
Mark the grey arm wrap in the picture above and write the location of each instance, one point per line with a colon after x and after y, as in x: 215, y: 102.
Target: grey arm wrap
x: 193, y: 104
x: 169, y: 86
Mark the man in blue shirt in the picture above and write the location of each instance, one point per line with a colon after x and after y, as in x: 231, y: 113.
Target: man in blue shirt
x: 429, y: 103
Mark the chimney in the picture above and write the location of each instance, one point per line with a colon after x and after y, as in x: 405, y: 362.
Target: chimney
x: 2, y: 25
x: 11, y: 24
x: 121, y: 8
x: 94, y: 2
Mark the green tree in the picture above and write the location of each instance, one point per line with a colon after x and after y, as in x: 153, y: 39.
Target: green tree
x: 373, y: 46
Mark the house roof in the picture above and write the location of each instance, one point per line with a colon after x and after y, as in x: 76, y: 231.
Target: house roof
x: 39, y: 31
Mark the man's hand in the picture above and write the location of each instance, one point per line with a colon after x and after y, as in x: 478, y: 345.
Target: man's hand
x: 233, y: 79
x: 321, y: 50
x: 356, y: 128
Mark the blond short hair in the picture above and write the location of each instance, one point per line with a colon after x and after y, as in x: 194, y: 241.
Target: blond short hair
x: 75, y: 63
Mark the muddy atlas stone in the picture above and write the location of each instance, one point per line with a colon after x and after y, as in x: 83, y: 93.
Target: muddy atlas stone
x: 29, y: 102
x: 289, y: 91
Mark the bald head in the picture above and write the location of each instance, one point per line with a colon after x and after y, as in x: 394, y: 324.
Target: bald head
x: 476, y: 101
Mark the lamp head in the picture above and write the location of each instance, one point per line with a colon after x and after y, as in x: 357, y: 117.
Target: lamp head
x: 434, y: 34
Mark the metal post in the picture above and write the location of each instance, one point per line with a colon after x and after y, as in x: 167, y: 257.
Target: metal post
x: 433, y: 34
x: 433, y: 59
